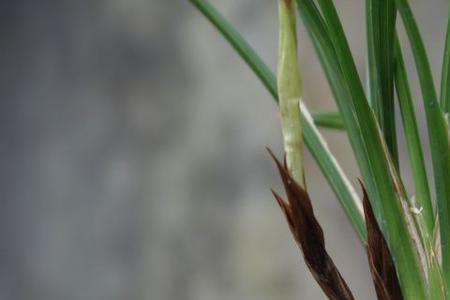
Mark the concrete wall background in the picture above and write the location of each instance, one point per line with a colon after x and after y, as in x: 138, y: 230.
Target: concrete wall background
x: 132, y: 154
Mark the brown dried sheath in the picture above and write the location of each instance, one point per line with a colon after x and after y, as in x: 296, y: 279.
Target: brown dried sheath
x: 309, y: 236
x: 380, y: 261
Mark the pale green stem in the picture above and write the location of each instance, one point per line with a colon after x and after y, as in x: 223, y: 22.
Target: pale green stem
x: 289, y: 91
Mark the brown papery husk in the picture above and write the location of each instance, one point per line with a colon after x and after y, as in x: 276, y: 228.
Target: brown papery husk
x: 309, y: 236
x: 380, y: 260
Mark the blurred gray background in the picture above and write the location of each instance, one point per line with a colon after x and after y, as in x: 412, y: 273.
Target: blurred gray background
x: 132, y: 153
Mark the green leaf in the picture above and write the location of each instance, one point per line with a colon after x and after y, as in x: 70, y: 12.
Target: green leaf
x: 239, y: 44
x: 316, y: 144
x: 414, y: 146
x: 445, y: 76
x: 423, y: 204
x: 334, y: 174
x: 385, y: 189
x: 381, y: 15
x: 437, y: 133
x: 330, y: 120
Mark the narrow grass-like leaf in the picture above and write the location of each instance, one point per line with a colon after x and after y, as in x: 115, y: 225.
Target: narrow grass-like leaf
x: 342, y: 75
x: 437, y: 133
x: 308, y: 234
x: 380, y: 176
x: 436, y: 284
x: 333, y: 172
x: 422, y: 204
x: 375, y: 149
x: 316, y: 144
x: 414, y: 146
x: 330, y: 120
x: 445, y: 76
x: 380, y: 16
x: 239, y: 44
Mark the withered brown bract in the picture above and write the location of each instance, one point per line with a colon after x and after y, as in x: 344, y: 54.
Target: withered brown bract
x: 380, y: 261
x: 309, y: 236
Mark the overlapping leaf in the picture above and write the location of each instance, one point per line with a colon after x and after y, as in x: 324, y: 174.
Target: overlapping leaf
x: 416, y: 261
x: 378, y: 171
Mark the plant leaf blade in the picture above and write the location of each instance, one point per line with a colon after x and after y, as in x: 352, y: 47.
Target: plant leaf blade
x: 330, y: 120
x: 381, y: 15
x: 329, y: 166
x: 438, y: 134
x: 414, y: 145
x: 383, y: 183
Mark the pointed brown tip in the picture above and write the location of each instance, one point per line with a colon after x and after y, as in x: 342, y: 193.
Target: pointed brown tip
x: 308, y: 234
x: 282, y: 169
x: 380, y: 261
x: 278, y: 198
x: 271, y: 153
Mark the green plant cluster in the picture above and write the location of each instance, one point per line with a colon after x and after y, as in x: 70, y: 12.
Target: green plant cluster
x: 415, y: 224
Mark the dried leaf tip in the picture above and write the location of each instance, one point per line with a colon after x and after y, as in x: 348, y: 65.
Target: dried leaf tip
x: 380, y: 261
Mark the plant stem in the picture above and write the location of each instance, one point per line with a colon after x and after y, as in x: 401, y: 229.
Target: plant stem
x: 289, y: 91
x: 315, y: 142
